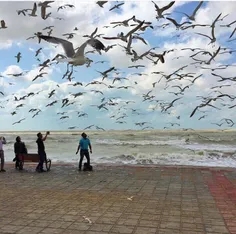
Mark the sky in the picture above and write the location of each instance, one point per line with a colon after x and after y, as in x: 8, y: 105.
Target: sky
x: 145, y: 102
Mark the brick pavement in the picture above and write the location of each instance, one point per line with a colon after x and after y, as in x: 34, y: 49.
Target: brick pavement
x: 137, y: 200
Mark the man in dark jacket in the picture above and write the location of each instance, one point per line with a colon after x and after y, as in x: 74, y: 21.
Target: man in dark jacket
x: 41, y: 151
x: 20, y: 150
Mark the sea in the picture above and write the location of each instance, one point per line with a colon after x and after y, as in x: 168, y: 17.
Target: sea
x: 155, y: 147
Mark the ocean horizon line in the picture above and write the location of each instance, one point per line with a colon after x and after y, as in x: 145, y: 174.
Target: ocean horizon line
x: 125, y: 130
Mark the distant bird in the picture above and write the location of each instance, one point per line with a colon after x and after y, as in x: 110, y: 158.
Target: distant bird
x: 181, y: 89
x: 89, y: 127
x: 177, y: 24
x: 202, y: 117
x: 39, y: 75
x: 33, y: 12
x: 48, y: 27
x: 192, y: 17
x: 161, y: 10
x: 104, y: 74
x: 51, y: 93
x: 22, y: 11
x: 218, y: 124
x: 18, y: 121
x: 117, y: 6
x: 64, y: 117
x: 3, y: 24
x: 43, y: 6
x: 97, y: 91
x: 2, y: 93
x: 101, y: 3
x: 18, y: 56
x: 44, y: 64
x: 72, y: 127
x: 75, y: 58
x: 51, y: 104
x: 99, y: 128
x: 213, y: 56
x: 213, y: 38
x: 136, y: 66
x: 37, y: 52
x: 171, y: 104
x: 70, y: 35
x: 123, y: 37
x: 77, y: 83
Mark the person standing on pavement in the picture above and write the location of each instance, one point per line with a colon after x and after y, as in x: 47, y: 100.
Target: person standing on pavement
x: 83, y: 146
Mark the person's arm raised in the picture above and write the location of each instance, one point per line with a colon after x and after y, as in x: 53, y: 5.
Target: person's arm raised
x: 45, y: 137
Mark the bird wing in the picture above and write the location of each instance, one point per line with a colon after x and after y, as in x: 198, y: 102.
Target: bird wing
x: 233, y: 32
x: 110, y: 38
x: 140, y: 38
x: 194, y: 111
x: 204, y: 35
x: 197, y: 8
x: 135, y: 29
x: 156, y: 5
x: 168, y: 6
x: 95, y: 43
x: 34, y: 9
x: 93, y: 33
x: 173, y: 21
x: 43, y: 12
x: 67, y: 45
x: 120, y: 4
x: 113, y: 8
x: 217, y: 18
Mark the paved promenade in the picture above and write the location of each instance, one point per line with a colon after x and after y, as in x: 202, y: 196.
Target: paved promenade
x: 137, y: 200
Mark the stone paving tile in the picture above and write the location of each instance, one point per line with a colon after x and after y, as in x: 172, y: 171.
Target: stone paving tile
x: 164, y: 200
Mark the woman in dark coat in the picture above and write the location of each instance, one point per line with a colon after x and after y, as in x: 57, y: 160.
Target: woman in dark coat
x: 20, y: 150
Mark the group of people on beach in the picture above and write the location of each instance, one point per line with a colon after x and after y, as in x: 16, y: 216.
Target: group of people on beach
x: 20, y: 150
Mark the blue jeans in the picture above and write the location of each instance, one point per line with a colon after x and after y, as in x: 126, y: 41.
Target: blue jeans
x: 42, y: 157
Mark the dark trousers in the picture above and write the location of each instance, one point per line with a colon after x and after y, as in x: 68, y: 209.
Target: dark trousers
x: 42, y: 157
x: 82, y: 154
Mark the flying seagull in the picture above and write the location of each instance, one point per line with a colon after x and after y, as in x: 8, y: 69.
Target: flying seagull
x: 75, y: 58
x: 192, y: 17
x: 3, y: 24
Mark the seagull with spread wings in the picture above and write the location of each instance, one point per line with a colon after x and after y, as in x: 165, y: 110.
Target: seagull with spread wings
x: 123, y: 37
x: 192, y: 17
x: 75, y: 58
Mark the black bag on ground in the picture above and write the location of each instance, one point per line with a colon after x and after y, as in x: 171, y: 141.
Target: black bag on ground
x: 87, y: 167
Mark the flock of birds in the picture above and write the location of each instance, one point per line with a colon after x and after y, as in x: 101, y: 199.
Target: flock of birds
x: 77, y: 57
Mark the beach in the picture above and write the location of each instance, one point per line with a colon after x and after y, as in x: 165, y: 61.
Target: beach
x: 211, y: 148
x: 118, y: 199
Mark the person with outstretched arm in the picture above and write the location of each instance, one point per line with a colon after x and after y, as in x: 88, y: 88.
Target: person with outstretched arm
x: 41, y: 151
x: 84, y: 143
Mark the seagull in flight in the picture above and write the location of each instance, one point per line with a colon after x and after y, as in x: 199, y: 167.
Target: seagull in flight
x: 75, y: 58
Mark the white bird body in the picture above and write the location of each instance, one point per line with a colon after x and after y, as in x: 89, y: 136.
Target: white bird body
x: 76, y: 58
